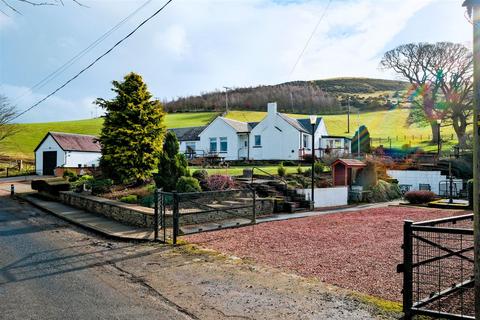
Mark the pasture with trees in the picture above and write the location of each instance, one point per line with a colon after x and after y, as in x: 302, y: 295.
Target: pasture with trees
x: 441, y: 81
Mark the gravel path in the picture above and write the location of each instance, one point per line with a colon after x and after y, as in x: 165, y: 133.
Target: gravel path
x: 353, y: 250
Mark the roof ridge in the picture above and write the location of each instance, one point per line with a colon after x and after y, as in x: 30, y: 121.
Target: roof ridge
x: 73, y: 134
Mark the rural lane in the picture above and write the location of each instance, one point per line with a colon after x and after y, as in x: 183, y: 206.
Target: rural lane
x: 43, y: 275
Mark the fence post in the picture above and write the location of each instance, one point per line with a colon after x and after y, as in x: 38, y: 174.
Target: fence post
x: 254, y: 211
x: 175, y: 217
x: 407, y: 269
x: 155, y: 217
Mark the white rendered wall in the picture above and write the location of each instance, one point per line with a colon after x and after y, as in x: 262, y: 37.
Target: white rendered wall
x: 328, y: 197
x: 219, y: 128
x: 48, y: 145
x: 75, y: 158
x: 414, y: 178
x: 280, y: 141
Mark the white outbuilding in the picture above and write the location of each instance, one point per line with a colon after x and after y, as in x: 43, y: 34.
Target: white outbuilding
x: 67, y: 150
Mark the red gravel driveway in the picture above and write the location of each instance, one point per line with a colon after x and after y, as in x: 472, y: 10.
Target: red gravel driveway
x: 354, y: 250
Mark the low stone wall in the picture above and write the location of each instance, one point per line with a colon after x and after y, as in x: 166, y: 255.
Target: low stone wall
x: 128, y: 214
x: 139, y: 216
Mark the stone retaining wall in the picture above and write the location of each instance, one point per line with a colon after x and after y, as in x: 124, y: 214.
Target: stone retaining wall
x: 139, y: 216
x: 128, y: 214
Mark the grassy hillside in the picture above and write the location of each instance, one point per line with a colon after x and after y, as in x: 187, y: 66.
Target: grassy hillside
x: 22, y: 144
x: 381, y: 124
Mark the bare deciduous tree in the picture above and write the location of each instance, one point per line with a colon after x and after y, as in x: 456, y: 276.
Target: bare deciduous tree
x: 442, y: 73
x: 7, y: 114
x: 12, y: 5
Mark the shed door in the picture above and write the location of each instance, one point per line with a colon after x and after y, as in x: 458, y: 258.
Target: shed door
x: 49, y: 162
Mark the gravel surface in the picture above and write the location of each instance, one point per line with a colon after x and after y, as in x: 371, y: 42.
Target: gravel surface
x: 353, y: 250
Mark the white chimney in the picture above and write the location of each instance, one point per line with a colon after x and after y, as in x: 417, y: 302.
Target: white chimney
x: 272, y: 108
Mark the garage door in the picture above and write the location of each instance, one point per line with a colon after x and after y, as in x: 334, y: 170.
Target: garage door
x: 49, y: 162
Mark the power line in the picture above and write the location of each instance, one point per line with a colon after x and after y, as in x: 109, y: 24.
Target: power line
x: 79, y: 55
x: 311, y: 36
x: 95, y: 61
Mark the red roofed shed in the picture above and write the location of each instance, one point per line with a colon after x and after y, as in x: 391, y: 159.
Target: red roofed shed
x: 345, y: 170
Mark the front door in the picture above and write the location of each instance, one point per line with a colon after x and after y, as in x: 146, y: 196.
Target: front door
x: 49, y: 162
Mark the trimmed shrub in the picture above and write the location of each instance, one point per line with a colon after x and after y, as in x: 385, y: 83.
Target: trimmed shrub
x: 132, y: 198
x: 308, y: 172
x: 368, y: 178
x: 220, y: 182
x: 81, y: 183
x: 419, y: 197
x: 281, y: 170
x: 318, y: 168
x: 384, y: 191
x: 101, y: 186
x: 69, y: 175
x: 188, y: 184
x: 201, y: 176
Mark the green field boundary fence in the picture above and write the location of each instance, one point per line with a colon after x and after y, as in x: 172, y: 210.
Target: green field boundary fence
x: 408, y: 139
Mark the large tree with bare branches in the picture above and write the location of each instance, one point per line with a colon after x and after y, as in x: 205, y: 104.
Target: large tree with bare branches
x: 440, y: 75
x: 7, y: 114
x: 13, y: 5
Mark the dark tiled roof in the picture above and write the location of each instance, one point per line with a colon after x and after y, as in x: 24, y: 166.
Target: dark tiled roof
x: 188, y: 134
x: 305, y: 123
x: 76, y: 142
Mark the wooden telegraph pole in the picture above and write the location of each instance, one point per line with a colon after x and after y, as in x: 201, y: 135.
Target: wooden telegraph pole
x: 473, y: 7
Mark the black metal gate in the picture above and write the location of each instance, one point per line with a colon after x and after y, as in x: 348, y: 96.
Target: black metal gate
x: 179, y: 214
x: 438, y: 268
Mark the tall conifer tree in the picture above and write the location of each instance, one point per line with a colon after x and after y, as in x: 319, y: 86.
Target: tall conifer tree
x: 133, y: 131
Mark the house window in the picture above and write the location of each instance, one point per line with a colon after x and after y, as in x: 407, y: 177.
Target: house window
x: 213, y: 144
x: 258, y: 140
x: 223, y: 144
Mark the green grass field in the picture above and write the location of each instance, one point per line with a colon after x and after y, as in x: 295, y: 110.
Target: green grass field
x: 381, y: 124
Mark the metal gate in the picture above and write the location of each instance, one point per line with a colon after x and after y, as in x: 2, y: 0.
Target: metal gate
x: 438, y: 268
x: 179, y: 214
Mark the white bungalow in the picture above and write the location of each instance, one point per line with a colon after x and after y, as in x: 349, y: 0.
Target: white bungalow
x: 276, y: 137
x: 58, y: 149
x: 280, y: 137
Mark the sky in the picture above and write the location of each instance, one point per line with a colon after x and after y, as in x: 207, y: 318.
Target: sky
x: 196, y: 46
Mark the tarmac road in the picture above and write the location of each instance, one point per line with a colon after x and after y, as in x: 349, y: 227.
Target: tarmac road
x: 45, y: 276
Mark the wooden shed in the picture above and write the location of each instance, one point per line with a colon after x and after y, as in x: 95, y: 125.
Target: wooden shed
x: 344, y: 171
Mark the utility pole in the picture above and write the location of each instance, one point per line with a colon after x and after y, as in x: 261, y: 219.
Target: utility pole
x: 226, y: 99
x: 473, y: 6
x: 348, y: 115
